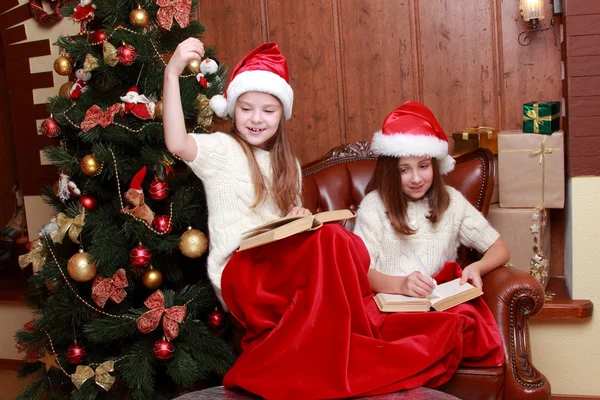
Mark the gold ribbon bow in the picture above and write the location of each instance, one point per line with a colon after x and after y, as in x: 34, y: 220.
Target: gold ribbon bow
x: 90, y: 63
x: 478, y: 129
x: 110, y: 54
x: 102, y: 375
x: 534, y: 115
x: 542, y: 151
x: 205, y: 113
x: 72, y: 225
x: 36, y: 256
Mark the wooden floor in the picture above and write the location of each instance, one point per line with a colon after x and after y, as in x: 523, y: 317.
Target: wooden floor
x: 11, y: 386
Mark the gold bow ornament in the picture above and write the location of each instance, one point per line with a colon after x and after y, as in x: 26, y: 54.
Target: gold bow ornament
x: 101, y: 375
x: 90, y: 63
x: 36, y: 256
x: 72, y: 225
x: 110, y: 54
x: 205, y: 113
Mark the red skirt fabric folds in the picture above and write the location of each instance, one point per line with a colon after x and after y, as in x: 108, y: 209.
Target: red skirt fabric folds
x: 314, y: 331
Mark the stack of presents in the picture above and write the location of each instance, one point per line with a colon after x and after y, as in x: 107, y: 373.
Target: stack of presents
x: 529, y: 182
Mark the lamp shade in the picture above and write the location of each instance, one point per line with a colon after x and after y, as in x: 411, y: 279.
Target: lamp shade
x: 531, y: 9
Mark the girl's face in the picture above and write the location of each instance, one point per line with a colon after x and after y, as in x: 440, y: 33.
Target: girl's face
x: 416, y: 173
x: 257, y: 117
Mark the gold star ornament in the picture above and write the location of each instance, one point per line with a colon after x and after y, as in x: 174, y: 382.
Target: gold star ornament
x: 49, y: 361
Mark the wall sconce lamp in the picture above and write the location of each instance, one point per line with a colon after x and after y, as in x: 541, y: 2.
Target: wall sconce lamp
x: 532, y: 12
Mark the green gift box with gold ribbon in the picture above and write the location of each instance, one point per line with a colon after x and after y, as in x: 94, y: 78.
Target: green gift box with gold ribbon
x: 539, y: 117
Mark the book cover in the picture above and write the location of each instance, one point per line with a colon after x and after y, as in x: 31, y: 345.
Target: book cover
x: 287, y: 226
x: 450, y: 294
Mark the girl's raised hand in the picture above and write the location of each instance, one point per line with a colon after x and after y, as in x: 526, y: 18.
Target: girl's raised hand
x: 417, y: 285
x: 299, y: 211
x: 188, y: 50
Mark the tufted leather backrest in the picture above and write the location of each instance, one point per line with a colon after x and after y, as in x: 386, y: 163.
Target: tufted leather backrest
x: 339, y: 179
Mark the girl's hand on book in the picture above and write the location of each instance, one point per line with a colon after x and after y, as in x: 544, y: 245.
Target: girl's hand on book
x: 299, y: 211
x: 471, y: 273
x: 417, y: 285
x: 188, y: 50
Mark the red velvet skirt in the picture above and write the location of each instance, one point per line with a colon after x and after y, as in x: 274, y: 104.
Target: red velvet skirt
x: 314, y: 331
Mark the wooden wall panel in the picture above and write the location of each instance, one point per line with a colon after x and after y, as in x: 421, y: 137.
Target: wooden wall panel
x: 459, y: 83
x: 378, y: 58
x: 8, y: 177
x: 305, y: 35
x: 530, y: 72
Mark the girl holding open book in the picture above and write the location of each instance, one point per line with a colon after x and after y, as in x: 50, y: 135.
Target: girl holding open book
x: 412, y: 224
x: 303, y: 300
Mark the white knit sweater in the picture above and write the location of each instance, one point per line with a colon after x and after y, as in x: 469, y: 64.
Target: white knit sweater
x: 224, y: 169
x: 434, y: 244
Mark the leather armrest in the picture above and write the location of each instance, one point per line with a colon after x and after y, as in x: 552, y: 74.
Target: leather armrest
x: 513, y: 296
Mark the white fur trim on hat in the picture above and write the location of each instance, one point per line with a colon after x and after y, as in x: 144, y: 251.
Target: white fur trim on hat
x: 260, y: 81
x: 406, y: 145
x: 218, y: 104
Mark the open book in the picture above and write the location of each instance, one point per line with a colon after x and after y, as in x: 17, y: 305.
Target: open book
x: 287, y: 226
x: 450, y: 294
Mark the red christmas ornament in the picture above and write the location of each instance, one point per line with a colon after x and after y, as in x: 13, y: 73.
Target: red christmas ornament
x: 50, y: 127
x: 140, y: 256
x: 88, y: 202
x: 75, y: 353
x: 126, y: 54
x: 215, y: 319
x: 163, y: 350
x: 158, y: 189
x: 98, y: 37
x: 162, y: 224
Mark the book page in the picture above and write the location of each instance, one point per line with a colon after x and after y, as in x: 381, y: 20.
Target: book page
x: 334, y: 215
x: 453, y: 293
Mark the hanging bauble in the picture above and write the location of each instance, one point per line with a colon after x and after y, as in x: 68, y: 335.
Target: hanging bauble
x: 216, y: 318
x: 65, y: 89
x: 158, y: 189
x: 81, y: 268
x: 193, y: 243
x: 90, y: 166
x: 88, y: 202
x: 194, y: 66
x: 75, y: 353
x: 63, y: 66
x: 139, y: 17
x: 162, y: 224
x: 50, y: 127
x: 163, y: 349
x: 152, y: 278
x: 140, y: 256
x: 158, y: 109
x: 126, y: 54
x: 97, y: 37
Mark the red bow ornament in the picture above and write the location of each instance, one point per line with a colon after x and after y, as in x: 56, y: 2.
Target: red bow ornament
x: 169, y: 9
x: 172, y: 316
x: 110, y: 288
x: 95, y: 116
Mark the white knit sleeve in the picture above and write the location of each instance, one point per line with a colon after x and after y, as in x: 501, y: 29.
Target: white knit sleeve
x: 214, y: 151
x: 474, y: 230
x: 369, y: 227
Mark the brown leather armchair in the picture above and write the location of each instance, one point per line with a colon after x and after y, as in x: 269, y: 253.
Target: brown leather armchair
x: 338, y: 180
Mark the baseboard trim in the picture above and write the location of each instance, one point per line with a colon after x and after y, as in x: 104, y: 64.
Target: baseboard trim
x: 573, y: 397
x: 8, y: 364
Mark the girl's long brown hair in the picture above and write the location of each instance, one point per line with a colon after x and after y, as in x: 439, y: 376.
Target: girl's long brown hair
x: 388, y: 183
x: 285, y: 188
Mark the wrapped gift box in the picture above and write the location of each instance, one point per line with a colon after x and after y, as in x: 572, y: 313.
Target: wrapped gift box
x: 515, y: 225
x: 541, y: 117
x: 531, y: 170
x: 473, y: 138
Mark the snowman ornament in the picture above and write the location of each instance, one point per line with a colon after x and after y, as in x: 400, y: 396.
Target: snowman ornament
x: 208, y: 66
x: 137, y: 104
x: 80, y: 86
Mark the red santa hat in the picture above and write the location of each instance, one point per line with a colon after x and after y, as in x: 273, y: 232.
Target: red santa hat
x: 136, y: 182
x: 412, y: 130
x: 264, y: 69
x: 133, y: 89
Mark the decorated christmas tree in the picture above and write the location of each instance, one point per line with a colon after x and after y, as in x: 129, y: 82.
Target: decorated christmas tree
x: 123, y: 305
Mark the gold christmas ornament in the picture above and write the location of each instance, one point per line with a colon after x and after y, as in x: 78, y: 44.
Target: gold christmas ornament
x: 90, y: 63
x: 36, y: 256
x: 101, y: 375
x: 193, y: 243
x: 109, y: 53
x: 65, y: 89
x: 152, y: 278
x: 158, y: 109
x: 63, y: 66
x: 90, y: 166
x: 139, y: 18
x: 205, y: 113
x: 73, y: 226
x: 49, y: 361
x: 80, y: 267
x: 194, y: 66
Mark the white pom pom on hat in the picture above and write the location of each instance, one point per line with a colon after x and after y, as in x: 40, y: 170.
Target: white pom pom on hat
x: 412, y: 130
